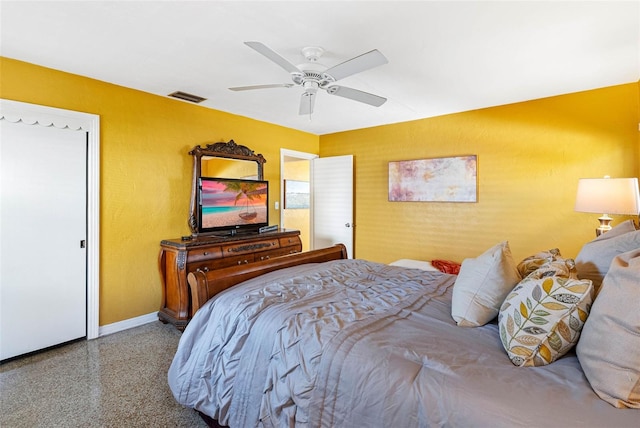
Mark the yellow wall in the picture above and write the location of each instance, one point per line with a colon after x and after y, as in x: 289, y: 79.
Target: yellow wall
x: 530, y: 157
x: 145, y: 170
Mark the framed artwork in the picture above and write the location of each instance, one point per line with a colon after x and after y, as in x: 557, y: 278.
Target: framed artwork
x: 451, y: 179
x: 296, y: 194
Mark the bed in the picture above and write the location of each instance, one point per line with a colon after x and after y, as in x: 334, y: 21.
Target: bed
x: 318, y: 340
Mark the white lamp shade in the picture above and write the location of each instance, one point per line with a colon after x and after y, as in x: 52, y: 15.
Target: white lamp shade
x: 608, y: 196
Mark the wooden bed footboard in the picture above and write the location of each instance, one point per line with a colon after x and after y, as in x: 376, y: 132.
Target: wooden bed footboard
x: 205, y: 285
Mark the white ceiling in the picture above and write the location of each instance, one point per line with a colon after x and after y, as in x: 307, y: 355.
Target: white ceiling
x: 444, y: 56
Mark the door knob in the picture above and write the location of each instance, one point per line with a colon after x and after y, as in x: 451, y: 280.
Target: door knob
x: 347, y: 225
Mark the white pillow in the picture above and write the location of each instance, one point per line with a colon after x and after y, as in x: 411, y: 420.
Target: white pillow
x: 595, y: 256
x: 609, y: 348
x: 482, y: 285
x: 414, y: 264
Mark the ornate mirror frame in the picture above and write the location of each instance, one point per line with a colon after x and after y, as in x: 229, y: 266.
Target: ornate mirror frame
x: 229, y: 150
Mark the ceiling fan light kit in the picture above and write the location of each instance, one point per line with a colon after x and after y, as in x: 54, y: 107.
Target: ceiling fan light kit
x: 312, y: 75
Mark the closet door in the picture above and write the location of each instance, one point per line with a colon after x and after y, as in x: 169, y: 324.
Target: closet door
x: 43, y: 227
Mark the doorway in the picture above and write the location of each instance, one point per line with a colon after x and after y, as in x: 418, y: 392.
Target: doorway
x: 295, y: 207
x: 327, y: 217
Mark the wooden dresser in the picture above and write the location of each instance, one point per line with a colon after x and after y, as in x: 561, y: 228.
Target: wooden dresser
x: 179, y: 257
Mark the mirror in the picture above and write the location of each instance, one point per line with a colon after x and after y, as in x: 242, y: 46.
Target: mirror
x: 228, y: 160
x: 227, y: 168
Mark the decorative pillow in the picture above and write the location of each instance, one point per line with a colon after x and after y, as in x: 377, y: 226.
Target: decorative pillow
x: 541, y: 319
x: 609, y: 349
x: 446, y: 266
x: 595, y: 256
x: 565, y: 268
x: 482, y: 285
x: 532, y: 263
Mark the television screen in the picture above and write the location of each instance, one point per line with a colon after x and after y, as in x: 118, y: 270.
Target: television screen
x: 229, y: 204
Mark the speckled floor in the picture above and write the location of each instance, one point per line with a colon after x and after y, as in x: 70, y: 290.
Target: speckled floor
x: 118, y: 380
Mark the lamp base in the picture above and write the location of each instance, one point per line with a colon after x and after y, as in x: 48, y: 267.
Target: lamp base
x: 605, y: 224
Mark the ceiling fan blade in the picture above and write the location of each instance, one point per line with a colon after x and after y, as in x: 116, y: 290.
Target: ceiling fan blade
x: 275, y: 85
x: 307, y: 101
x: 356, y: 95
x: 273, y: 56
x: 355, y: 65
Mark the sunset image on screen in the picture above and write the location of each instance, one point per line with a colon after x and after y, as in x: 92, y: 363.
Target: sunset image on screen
x: 227, y: 203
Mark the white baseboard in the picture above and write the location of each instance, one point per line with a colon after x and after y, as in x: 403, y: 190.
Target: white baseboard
x: 127, y: 324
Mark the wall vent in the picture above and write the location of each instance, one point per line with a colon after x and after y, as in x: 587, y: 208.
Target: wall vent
x: 187, y: 97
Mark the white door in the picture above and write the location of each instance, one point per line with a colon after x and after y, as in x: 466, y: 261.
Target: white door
x: 332, y: 199
x: 43, y: 227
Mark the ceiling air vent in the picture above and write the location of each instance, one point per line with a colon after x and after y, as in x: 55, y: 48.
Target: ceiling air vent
x: 187, y: 97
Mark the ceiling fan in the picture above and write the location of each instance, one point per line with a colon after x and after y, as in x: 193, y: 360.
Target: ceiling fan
x: 313, y: 76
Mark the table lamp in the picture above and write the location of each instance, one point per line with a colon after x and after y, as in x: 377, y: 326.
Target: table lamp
x: 609, y: 196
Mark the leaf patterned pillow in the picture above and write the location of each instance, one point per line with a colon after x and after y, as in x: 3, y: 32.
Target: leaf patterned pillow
x: 541, y: 319
x: 536, y: 261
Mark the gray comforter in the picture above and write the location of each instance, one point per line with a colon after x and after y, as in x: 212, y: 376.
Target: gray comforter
x: 352, y: 343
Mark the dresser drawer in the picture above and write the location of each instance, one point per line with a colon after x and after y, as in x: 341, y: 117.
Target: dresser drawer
x: 253, y: 247
x: 209, y: 253
x: 289, y: 241
x: 239, y: 260
x: 276, y: 253
x: 221, y: 263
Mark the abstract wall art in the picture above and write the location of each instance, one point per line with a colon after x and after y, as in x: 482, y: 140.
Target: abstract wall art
x: 449, y: 179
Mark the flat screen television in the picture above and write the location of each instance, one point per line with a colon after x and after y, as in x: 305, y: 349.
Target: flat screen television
x: 230, y: 205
